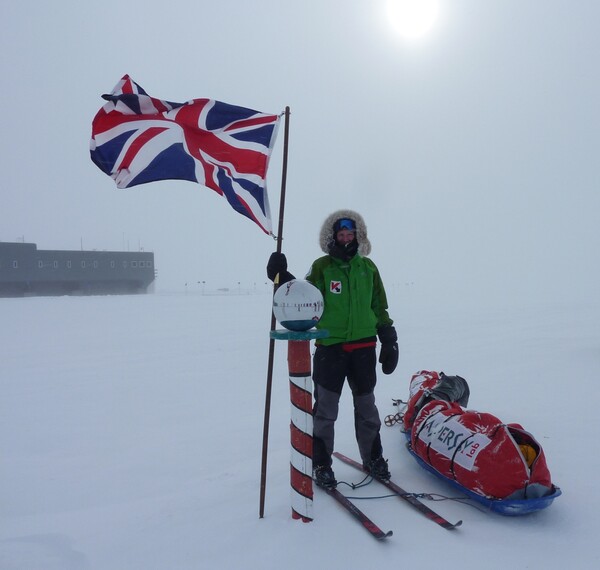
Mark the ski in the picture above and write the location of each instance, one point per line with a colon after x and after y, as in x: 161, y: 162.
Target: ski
x: 410, y: 498
x: 363, y: 519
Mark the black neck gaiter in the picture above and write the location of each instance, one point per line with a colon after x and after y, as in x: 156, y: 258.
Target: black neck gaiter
x: 344, y: 252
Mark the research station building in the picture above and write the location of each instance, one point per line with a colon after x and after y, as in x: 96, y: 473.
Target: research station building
x: 26, y: 270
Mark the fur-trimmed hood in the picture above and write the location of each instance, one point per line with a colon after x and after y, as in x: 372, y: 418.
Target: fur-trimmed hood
x: 326, y: 237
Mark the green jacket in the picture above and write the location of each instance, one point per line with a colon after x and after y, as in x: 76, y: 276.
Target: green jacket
x: 355, y: 301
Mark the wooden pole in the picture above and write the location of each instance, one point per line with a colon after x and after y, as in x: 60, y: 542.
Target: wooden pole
x: 265, y: 445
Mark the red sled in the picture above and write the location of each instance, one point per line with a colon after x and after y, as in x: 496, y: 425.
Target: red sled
x: 501, y: 466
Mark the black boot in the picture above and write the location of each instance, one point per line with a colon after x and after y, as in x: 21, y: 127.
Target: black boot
x: 378, y: 468
x: 324, y: 477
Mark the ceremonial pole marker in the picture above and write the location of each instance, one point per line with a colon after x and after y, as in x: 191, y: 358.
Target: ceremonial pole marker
x: 299, y: 367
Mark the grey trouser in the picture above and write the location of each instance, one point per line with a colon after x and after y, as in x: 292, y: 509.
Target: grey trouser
x: 332, y: 365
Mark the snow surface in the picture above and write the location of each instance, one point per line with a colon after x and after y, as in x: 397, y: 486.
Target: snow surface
x: 131, y: 433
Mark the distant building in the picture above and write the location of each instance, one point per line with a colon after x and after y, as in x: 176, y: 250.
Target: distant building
x: 28, y: 271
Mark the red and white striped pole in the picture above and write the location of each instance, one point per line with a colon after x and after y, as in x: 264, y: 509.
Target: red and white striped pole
x: 301, y: 429
x: 301, y: 424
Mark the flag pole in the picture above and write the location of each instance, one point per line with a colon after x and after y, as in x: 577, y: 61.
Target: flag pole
x: 265, y: 444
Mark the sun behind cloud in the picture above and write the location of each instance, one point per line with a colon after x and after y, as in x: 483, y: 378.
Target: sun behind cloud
x: 412, y: 19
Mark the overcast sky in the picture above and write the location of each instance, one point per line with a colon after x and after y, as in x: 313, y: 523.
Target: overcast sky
x: 473, y: 152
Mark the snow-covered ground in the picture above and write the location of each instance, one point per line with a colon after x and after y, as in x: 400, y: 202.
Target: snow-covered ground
x: 131, y: 433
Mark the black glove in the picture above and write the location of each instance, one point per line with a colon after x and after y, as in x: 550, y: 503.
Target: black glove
x: 278, y: 265
x: 388, y: 356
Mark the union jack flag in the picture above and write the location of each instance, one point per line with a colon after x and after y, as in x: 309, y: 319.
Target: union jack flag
x: 138, y: 139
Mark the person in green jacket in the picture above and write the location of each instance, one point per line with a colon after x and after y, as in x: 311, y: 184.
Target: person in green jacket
x: 355, y: 314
